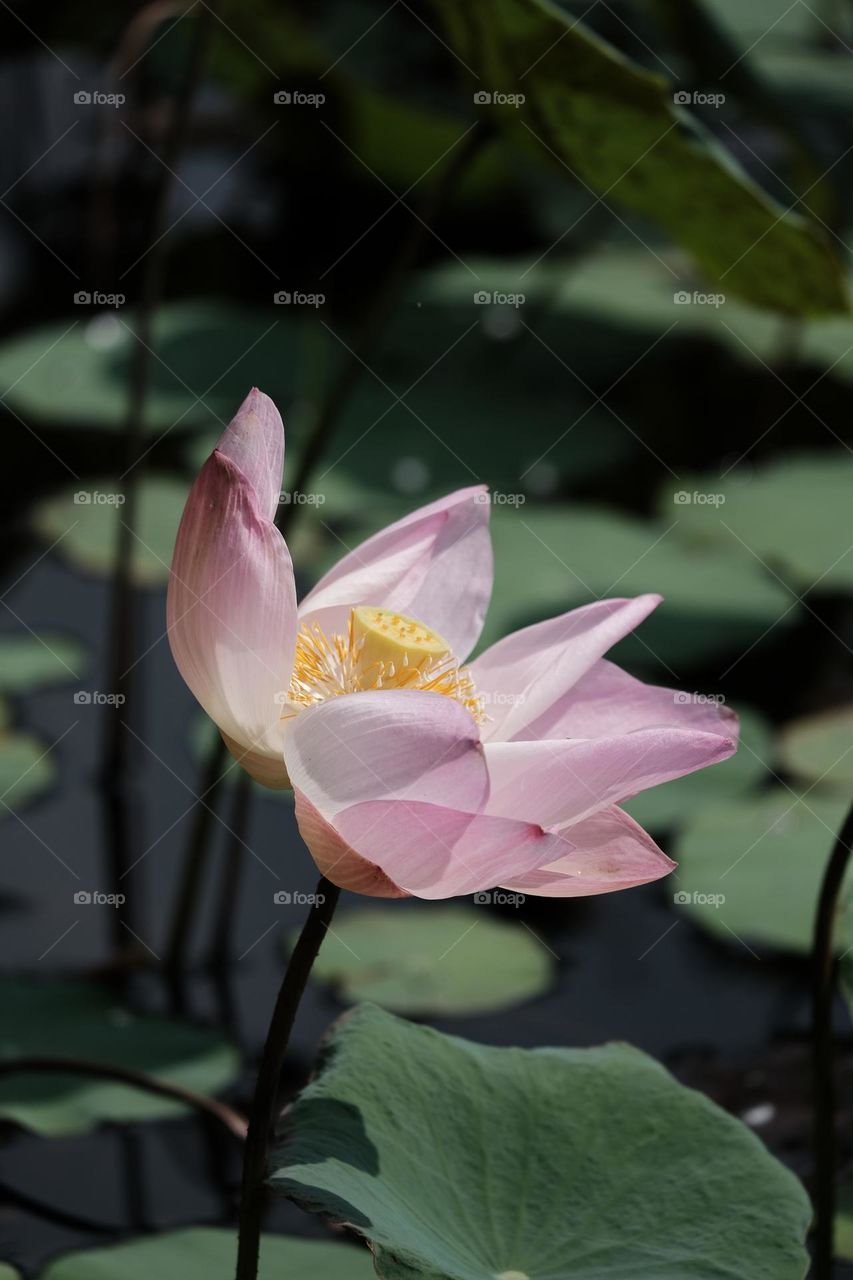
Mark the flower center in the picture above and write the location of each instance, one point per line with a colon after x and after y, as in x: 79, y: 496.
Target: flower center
x: 381, y: 650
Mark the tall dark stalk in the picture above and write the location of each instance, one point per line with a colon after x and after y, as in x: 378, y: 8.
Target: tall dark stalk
x: 331, y: 410
x: 825, y: 1143
x: 263, y: 1112
x: 116, y: 767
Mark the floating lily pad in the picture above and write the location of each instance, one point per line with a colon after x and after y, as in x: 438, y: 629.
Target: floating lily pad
x: 26, y: 767
x: 819, y: 749
x: 209, y: 1253
x: 452, y: 960
x: 462, y: 1160
x: 679, y: 802
x: 76, y: 371
x: 29, y: 662
x: 613, y: 125
x: 79, y: 1020
x: 549, y: 559
x: 766, y: 856
x: 793, y: 514
x: 89, y: 529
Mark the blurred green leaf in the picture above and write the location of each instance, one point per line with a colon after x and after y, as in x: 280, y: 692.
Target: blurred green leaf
x: 79, y: 1020
x: 432, y: 960
x: 766, y: 855
x: 29, y: 662
x: 819, y: 749
x: 614, y: 127
x: 208, y: 1253
x: 89, y: 529
x: 791, y: 515
x: 26, y: 767
x: 549, y: 559
x: 457, y: 1159
x: 679, y: 802
x: 208, y: 356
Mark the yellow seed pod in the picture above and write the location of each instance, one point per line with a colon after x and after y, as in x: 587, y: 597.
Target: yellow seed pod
x: 387, y: 643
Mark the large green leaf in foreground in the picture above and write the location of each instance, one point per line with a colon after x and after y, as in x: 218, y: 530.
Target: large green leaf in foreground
x: 78, y: 1020
x: 460, y: 1161
x: 209, y: 1253
x: 614, y: 127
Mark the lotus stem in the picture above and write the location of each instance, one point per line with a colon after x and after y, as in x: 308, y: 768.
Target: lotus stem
x: 263, y: 1112
x: 823, y: 1065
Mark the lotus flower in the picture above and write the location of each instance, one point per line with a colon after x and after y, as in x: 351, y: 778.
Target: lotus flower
x: 414, y: 774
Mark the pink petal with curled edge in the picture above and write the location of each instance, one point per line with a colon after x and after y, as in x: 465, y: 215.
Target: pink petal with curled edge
x: 336, y: 860
x: 527, y: 672
x: 435, y: 565
x: 556, y: 782
x: 433, y: 851
x: 231, y: 609
x: 254, y: 441
x: 610, y: 852
x: 386, y: 744
x: 607, y: 701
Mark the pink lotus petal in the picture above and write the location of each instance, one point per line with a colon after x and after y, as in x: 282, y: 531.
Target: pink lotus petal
x: 557, y: 782
x: 607, y: 701
x: 435, y: 565
x: 381, y: 745
x: 527, y: 672
x: 336, y: 860
x: 611, y: 851
x: 231, y: 607
x: 433, y: 851
x: 254, y: 441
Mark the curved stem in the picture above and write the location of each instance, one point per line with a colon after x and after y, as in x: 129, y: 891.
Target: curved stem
x: 135, y: 1079
x: 262, y: 1115
x: 825, y: 1148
